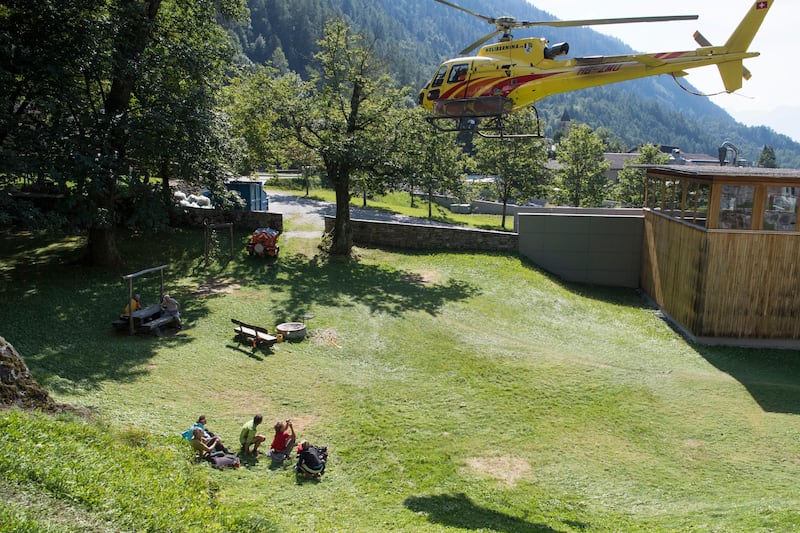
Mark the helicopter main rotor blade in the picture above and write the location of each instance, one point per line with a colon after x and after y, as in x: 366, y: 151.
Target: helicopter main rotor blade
x: 599, y: 22
x: 479, y: 42
x: 490, y: 20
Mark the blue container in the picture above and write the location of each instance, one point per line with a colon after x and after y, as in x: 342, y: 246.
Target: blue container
x: 253, y: 193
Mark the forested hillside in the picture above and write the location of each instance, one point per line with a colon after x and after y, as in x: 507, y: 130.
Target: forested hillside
x: 415, y: 35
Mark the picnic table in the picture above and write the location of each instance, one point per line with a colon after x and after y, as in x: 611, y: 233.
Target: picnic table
x: 146, y: 320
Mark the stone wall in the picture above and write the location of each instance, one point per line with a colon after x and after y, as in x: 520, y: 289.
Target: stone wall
x: 426, y: 237
x: 195, y: 217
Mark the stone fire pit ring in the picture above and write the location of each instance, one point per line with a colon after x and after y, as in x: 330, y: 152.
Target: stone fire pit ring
x: 292, y: 330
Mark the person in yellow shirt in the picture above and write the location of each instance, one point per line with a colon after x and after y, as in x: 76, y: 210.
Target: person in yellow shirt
x: 134, y: 305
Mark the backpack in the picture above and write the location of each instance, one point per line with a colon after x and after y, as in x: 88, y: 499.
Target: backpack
x: 223, y: 460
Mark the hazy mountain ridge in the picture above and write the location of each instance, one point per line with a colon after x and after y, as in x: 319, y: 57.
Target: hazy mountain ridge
x: 416, y: 35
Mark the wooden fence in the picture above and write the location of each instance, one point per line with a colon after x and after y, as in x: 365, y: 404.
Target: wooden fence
x: 723, y: 283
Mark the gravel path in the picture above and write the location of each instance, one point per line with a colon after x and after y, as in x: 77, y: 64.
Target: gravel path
x: 305, y: 212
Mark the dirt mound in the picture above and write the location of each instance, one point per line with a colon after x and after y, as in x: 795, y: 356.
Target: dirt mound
x: 18, y: 388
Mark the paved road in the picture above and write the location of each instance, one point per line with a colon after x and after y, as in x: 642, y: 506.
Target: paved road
x: 305, y: 212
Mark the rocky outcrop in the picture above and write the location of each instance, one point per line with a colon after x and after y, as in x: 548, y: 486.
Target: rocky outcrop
x: 18, y: 388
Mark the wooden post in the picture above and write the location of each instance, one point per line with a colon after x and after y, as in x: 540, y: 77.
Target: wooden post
x: 759, y: 205
x: 130, y: 310
x: 713, y: 206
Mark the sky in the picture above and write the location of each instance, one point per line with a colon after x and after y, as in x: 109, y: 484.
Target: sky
x: 769, y: 98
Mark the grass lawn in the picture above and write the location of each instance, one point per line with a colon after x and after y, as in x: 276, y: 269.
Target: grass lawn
x: 456, y: 392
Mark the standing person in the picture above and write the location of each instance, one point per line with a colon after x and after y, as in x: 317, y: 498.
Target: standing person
x: 284, y: 440
x: 249, y: 435
x: 171, y: 306
x: 134, y: 305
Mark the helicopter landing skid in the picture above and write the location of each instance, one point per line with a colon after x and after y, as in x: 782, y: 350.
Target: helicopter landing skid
x: 488, y: 126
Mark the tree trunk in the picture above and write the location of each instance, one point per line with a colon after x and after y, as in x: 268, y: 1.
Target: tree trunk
x: 134, y: 34
x: 101, y: 248
x: 342, y: 242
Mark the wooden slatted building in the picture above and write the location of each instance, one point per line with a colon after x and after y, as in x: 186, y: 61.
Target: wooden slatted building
x: 721, y: 252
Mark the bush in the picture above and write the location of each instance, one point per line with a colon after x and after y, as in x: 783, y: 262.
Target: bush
x: 15, y: 212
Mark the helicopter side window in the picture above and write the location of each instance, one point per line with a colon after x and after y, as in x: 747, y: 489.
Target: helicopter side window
x: 439, y: 78
x: 458, y: 73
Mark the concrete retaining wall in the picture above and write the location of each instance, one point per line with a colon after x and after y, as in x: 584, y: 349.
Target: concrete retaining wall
x: 600, y: 249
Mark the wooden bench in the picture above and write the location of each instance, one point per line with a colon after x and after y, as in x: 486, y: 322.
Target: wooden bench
x: 157, y: 323
x: 253, y: 334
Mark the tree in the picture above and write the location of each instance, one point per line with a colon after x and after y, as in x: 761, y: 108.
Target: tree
x: 114, y: 88
x: 767, y: 158
x: 581, y: 180
x: 518, y: 164
x: 344, y: 114
x: 630, y: 186
x: 422, y: 158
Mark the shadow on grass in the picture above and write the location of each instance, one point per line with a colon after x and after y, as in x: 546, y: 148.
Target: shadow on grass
x: 253, y: 353
x: 614, y: 295
x: 299, y: 283
x: 772, y: 377
x: 60, y: 320
x: 460, y: 512
x: 60, y: 312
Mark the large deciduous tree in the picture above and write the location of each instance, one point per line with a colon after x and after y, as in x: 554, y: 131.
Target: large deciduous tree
x: 517, y: 163
x: 344, y: 114
x: 112, y: 89
x: 631, y: 183
x: 581, y: 181
x: 424, y: 159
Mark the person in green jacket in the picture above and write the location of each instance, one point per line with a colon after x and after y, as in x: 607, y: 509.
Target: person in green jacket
x: 249, y: 436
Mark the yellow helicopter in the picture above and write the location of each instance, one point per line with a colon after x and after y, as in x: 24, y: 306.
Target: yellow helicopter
x: 475, y: 92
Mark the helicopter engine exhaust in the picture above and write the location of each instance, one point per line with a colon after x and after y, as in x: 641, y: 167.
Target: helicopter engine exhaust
x: 558, y: 49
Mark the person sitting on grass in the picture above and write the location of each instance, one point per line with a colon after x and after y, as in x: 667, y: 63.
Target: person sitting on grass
x: 282, y: 444
x: 209, y: 438
x: 218, y: 459
x: 249, y: 436
x: 311, y: 459
x: 198, y: 443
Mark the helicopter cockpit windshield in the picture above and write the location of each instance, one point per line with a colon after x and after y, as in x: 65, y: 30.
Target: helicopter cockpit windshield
x: 439, y: 78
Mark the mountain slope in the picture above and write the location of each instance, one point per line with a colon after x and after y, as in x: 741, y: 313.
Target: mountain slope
x: 414, y: 36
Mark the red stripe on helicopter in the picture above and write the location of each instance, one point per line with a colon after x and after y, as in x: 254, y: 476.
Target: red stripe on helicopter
x: 474, y: 87
x: 507, y: 85
x: 491, y: 86
x: 669, y: 55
